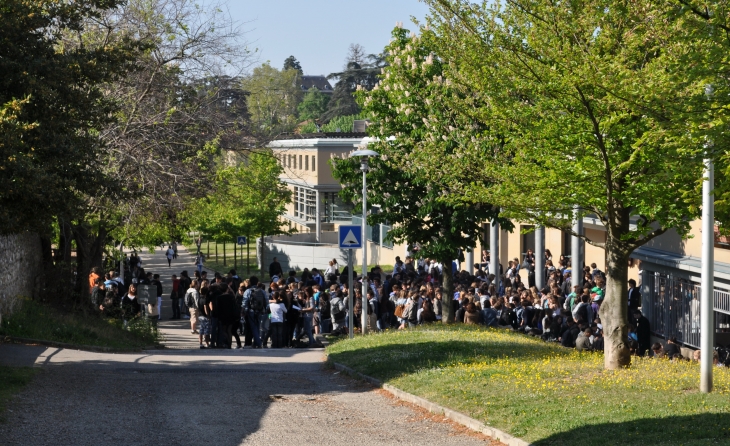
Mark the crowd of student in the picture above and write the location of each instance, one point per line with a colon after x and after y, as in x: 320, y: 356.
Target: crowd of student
x: 294, y: 308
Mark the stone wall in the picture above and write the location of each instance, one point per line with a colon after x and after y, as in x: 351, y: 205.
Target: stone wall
x: 21, y: 267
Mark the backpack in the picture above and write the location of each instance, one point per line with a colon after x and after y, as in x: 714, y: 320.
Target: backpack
x: 336, y: 308
x: 324, y: 308
x: 582, y: 313
x: 190, y: 301
x: 258, y: 301
x: 508, y: 316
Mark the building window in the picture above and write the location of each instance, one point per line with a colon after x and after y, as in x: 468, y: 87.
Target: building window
x: 306, y: 162
x: 305, y: 204
x: 335, y: 209
x: 288, y: 161
x: 300, y: 162
x: 295, y: 161
x: 314, y: 158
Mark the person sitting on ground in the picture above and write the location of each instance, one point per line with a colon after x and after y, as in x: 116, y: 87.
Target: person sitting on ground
x: 570, y: 334
x: 426, y: 314
x: 471, y: 315
x: 672, y: 349
x: 657, y: 350
x: 583, y: 341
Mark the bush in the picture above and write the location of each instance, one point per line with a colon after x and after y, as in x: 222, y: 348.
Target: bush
x: 45, y: 322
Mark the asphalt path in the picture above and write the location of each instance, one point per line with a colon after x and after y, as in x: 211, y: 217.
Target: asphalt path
x: 187, y: 396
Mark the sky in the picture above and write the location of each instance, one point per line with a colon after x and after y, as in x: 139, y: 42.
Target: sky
x: 319, y: 32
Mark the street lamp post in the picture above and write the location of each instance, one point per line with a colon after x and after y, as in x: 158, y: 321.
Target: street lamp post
x: 707, y: 324
x: 364, y: 154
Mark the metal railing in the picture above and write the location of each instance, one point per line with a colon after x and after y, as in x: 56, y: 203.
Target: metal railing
x: 675, y: 309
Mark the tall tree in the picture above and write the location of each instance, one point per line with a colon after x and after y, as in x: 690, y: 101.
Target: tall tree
x: 580, y: 102
x: 360, y: 70
x: 408, y: 105
x: 273, y: 99
x: 313, y: 105
x: 247, y: 198
x: 51, y: 107
x: 175, y: 112
x: 291, y: 63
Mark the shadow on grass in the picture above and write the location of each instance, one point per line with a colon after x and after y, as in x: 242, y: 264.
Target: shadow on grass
x: 388, y: 361
x: 698, y: 429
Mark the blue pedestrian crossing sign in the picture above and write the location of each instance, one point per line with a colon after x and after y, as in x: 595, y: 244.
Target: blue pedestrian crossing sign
x: 241, y: 240
x: 350, y: 237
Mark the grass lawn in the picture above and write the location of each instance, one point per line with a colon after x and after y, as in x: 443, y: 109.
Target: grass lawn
x: 12, y: 380
x: 38, y: 321
x: 542, y: 392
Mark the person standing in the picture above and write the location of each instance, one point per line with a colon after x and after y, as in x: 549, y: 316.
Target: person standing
x: 254, y: 303
x: 199, y: 260
x: 203, y: 318
x: 227, y: 317
x: 634, y: 296
x: 275, y: 269
x: 643, y: 332
x: 278, y: 309
x: 174, y: 250
x: 182, y: 289
x: 158, y: 286
x: 98, y: 293
x: 192, y: 296
x: 175, y: 297
x: 130, y: 305
x: 169, y: 254
x: 308, y: 312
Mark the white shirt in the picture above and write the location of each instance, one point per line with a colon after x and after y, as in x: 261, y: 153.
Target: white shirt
x: 277, y: 312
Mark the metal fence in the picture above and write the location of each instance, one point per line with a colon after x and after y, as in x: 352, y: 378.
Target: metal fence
x: 675, y: 309
x: 375, y: 234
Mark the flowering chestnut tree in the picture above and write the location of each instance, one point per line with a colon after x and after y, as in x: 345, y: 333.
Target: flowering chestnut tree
x: 408, y: 118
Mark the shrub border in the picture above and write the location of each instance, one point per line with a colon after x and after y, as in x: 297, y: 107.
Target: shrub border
x: 453, y: 415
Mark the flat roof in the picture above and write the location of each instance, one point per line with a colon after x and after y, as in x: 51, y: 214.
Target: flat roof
x: 313, y: 143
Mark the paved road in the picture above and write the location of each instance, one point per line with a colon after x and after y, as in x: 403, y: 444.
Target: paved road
x: 187, y: 396
x: 257, y: 397
x: 176, y: 333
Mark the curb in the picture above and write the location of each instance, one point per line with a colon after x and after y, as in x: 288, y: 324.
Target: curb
x: 453, y: 415
x: 91, y: 348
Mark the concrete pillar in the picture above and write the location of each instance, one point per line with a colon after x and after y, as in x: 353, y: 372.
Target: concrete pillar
x: 576, y: 249
x: 540, y: 257
x: 494, y: 252
x: 318, y: 218
x: 469, y: 260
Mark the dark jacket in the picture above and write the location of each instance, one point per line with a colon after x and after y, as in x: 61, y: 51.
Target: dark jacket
x: 275, y: 269
x: 569, y: 336
x: 643, y: 331
x: 130, y: 307
x: 227, y: 309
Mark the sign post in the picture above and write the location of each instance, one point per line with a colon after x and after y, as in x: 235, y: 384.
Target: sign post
x: 240, y: 241
x: 350, y: 238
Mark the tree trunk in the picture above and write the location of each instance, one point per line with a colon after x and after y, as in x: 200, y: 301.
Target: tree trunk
x: 89, y: 252
x: 614, y: 310
x: 447, y: 293
x: 263, y: 249
x: 64, y: 241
